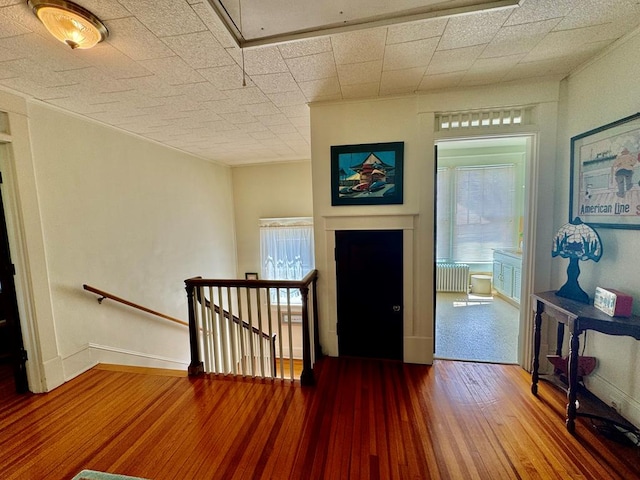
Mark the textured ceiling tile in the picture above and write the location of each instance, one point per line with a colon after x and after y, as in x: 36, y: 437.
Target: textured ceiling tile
x: 165, y: 17
x: 519, y: 38
x: 225, y: 78
x: 114, y: 63
x: 266, y: 135
x: 440, y: 81
x: 363, y: 90
x: 535, y: 11
x: 320, y: 88
x: 309, y: 46
x: 20, y: 14
x: 541, y: 69
x: 210, y: 19
x: 46, y: 51
x: 409, y: 32
x: 359, y: 46
x: 260, y: 109
x: 199, y: 50
x: 128, y: 82
x: 409, y: 54
x: 264, y: 60
x: 481, y: 77
x: 247, y: 95
x: 174, y: 70
x: 294, y: 111
x: 328, y: 98
x: 563, y: 42
x: 469, y: 30
x: 312, y: 67
x: 37, y: 73
x: 134, y: 40
x: 223, y: 106
x: 448, y: 61
x: 105, y: 9
x: 596, y: 12
x: 238, y: 118
x: 275, y: 119
x: 358, y: 73
x: 275, y: 83
x: 76, y: 104
x: 283, y: 129
x: 288, y: 99
x: 254, y: 127
x: 6, y: 54
x: 401, y: 81
x: 201, y: 92
x: 9, y: 28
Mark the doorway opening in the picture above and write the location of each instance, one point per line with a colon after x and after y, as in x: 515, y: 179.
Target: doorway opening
x: 480, y: 218
x: 13, y: 374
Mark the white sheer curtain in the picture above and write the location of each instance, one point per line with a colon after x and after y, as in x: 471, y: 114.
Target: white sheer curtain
x: 286, y: 250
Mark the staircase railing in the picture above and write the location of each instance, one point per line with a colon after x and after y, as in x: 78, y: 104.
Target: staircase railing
x: 104, y: 295
x: 219, y: 338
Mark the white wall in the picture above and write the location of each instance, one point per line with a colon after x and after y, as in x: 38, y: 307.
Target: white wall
x: 267, y: 191
x: 411, y: 119
x: 124, y: 215
x: 605, y: 91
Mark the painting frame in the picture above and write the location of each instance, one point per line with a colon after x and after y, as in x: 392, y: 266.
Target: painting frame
x: 604, y: 187
x: 367, y: 174
x: 251, y: 276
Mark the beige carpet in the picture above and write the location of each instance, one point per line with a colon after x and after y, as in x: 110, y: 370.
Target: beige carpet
x: 480, y: 328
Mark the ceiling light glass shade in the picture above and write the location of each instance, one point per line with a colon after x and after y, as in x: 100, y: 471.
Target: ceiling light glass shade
x: 70, y: 23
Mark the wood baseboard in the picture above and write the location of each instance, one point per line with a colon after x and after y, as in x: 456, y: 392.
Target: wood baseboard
x: 166, y: 372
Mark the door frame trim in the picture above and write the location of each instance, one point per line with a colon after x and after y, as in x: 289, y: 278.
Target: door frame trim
x: 406, y: 223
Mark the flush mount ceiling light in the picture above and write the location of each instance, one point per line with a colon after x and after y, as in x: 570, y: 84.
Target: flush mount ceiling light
x: 70, y: 23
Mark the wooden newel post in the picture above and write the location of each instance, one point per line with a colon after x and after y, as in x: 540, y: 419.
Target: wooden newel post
x: 306, y: 378
x: 196, y: 367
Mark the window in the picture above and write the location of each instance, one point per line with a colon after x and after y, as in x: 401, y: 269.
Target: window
x: 476, y: 210
x: 286, y: 251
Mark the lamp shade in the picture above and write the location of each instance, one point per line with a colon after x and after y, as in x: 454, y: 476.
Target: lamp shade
x: 70, y: 23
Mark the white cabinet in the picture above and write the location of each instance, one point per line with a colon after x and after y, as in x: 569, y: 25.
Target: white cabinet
x: 507, y: 274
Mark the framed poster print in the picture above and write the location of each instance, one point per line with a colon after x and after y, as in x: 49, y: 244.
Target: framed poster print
x: 367, y: 174
x: 605, y: 175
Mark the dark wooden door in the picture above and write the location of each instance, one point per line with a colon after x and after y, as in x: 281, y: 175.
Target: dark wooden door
x: 12, y: 352
x: 369, y: 293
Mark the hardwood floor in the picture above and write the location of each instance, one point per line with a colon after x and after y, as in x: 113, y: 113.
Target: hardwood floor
x: 364, y: 420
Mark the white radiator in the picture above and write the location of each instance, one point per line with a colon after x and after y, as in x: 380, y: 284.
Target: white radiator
x: 452, y: 277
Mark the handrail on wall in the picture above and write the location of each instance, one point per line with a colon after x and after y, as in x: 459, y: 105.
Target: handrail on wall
x: 131, y: 304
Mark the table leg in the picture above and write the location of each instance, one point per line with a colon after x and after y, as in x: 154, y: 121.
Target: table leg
x: 572, y: 393
x: 536, y: 347
x: 560, y: 338
x: 559, y: 341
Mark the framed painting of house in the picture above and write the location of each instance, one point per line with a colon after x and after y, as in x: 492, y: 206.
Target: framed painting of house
x: 367, y: 174
x: 605, y: 175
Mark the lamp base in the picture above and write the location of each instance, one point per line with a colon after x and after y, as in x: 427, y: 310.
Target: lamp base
x: 573, y: 292
x: 571, y: 289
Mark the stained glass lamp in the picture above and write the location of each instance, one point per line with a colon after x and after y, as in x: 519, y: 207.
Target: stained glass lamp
x: 576, y: 241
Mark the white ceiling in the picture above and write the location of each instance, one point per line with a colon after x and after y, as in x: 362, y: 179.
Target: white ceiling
x: 171, y: 72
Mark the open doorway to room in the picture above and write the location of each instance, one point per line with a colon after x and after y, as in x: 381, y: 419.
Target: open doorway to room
x: 480, y: 208
x: 13, y: 375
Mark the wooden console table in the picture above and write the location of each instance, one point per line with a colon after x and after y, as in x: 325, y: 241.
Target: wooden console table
x: 578, y: 317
